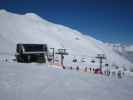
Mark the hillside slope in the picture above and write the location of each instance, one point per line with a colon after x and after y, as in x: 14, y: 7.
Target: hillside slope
x: 122, y: 49
x: 30, y: 28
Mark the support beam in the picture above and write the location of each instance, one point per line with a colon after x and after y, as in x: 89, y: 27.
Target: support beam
x: 62, y: 52
x: 53, y: 51
x: 101, y: 57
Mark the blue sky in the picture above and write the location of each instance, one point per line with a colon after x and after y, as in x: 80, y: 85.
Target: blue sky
x: 106, y: 20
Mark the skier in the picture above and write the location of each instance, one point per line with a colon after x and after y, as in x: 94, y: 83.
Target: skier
x: 63, y: 67
x: 77, y: 68
x: 119, y: 74
x: 93, y: 70
x: 90, y: 69
x: 71, y: 68
x: 108, y: 72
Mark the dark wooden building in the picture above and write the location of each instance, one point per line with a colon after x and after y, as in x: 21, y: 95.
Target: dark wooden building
x: 27, y: 53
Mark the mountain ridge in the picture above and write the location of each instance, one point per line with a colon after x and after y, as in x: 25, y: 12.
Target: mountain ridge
x: 30, y: 28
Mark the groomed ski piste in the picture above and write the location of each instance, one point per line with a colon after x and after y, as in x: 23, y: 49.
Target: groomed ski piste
x: 33, y: 81
x: 40, y: 81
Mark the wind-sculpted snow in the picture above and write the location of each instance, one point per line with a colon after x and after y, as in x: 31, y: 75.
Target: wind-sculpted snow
x: 30, y: 28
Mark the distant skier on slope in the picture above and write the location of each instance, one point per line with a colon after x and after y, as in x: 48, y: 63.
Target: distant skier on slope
x: 119, y: 74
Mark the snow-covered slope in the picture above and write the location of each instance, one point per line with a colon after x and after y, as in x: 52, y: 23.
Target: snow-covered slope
x: 122, y: 49
x: 39, y: 82
x: 30, y: 28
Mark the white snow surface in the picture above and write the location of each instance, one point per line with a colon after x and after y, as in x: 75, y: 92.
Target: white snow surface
x: 40, y: 82
x: 130, y: 48
x: 43, y: 82
x: 120, y: 47
x: 125, y: 50
x: 30, y: 28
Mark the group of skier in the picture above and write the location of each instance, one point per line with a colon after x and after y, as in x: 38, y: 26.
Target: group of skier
x: 119, y: 74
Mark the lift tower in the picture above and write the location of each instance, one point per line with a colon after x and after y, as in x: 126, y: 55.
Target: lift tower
x: 62, y: 52
x: 101, y: 57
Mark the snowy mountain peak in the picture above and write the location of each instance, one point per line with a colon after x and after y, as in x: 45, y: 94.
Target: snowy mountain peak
x: 33, y: 16
x: 30, y: 28
x: 4, y: 12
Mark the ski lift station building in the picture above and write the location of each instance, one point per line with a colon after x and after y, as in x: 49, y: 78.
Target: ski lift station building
x: 27, y: 53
